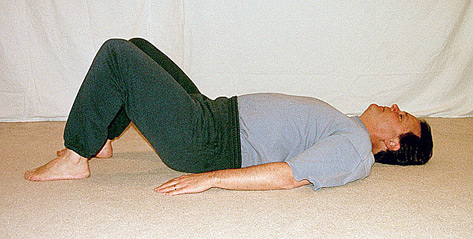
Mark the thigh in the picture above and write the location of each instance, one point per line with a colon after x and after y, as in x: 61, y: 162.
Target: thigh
x: 167, y: 64
x: 172, y: 120
x: 121, y: 121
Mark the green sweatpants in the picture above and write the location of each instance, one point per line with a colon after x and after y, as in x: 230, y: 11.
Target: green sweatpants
x: 134, y: 81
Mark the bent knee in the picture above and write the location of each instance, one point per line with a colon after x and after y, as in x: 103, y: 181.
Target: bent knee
x: 138, y: 40
x: 116, y: 46
x: 114, y: 42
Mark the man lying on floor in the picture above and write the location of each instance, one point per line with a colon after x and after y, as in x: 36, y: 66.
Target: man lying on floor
x: 249, y: 142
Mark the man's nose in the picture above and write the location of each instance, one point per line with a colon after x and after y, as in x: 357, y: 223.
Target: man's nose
x: 395, y: 108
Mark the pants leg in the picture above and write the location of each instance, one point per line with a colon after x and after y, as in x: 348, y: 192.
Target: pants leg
x: 121, y: 121
x: 122, y: 77
x: 167, y: 64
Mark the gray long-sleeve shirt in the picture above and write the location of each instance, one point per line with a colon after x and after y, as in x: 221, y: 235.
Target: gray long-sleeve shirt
x: 317, y: 141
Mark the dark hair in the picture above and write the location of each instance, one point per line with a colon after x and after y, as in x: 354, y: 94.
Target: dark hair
x: 414, y: 150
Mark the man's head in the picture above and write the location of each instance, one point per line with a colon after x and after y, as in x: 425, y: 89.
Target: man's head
x: 397, y: 137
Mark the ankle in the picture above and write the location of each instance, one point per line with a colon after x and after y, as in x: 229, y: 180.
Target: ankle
x: 74, y: 157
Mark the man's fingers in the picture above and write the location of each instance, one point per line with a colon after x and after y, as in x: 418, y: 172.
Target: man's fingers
x: 169, y: 183
x: 193, y: 183
x: 167, y: 187
x: 171, y: 190
x: 172, y: 186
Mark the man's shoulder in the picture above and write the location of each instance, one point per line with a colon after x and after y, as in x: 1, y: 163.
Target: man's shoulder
x: 358, y: 135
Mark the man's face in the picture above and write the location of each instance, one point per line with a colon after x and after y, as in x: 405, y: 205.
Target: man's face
x: 388, y: 123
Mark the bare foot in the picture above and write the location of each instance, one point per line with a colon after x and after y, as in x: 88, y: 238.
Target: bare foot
x: 105, y: 152
x: 70, y: 165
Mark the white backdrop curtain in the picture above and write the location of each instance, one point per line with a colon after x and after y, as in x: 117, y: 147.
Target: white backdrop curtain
x: 418, y: 54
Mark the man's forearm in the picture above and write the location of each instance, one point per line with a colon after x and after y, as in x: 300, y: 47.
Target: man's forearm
x: 261, y: 177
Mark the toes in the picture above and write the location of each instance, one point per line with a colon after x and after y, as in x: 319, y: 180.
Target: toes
x: 27, y: 175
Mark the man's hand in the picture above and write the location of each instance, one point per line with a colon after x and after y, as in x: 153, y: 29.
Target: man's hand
x: 261, y: 177
x: 192, y: 183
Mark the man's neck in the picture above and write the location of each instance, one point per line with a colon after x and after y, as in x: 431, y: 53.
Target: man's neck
x: 374, y: 146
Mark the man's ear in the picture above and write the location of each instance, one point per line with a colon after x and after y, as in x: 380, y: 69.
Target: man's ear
x: 393, y: 144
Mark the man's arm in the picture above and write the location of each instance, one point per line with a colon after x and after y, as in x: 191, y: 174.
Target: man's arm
x: 261, y: 177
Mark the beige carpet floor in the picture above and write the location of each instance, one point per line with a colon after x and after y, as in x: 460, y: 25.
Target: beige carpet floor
x: 118, y: 201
